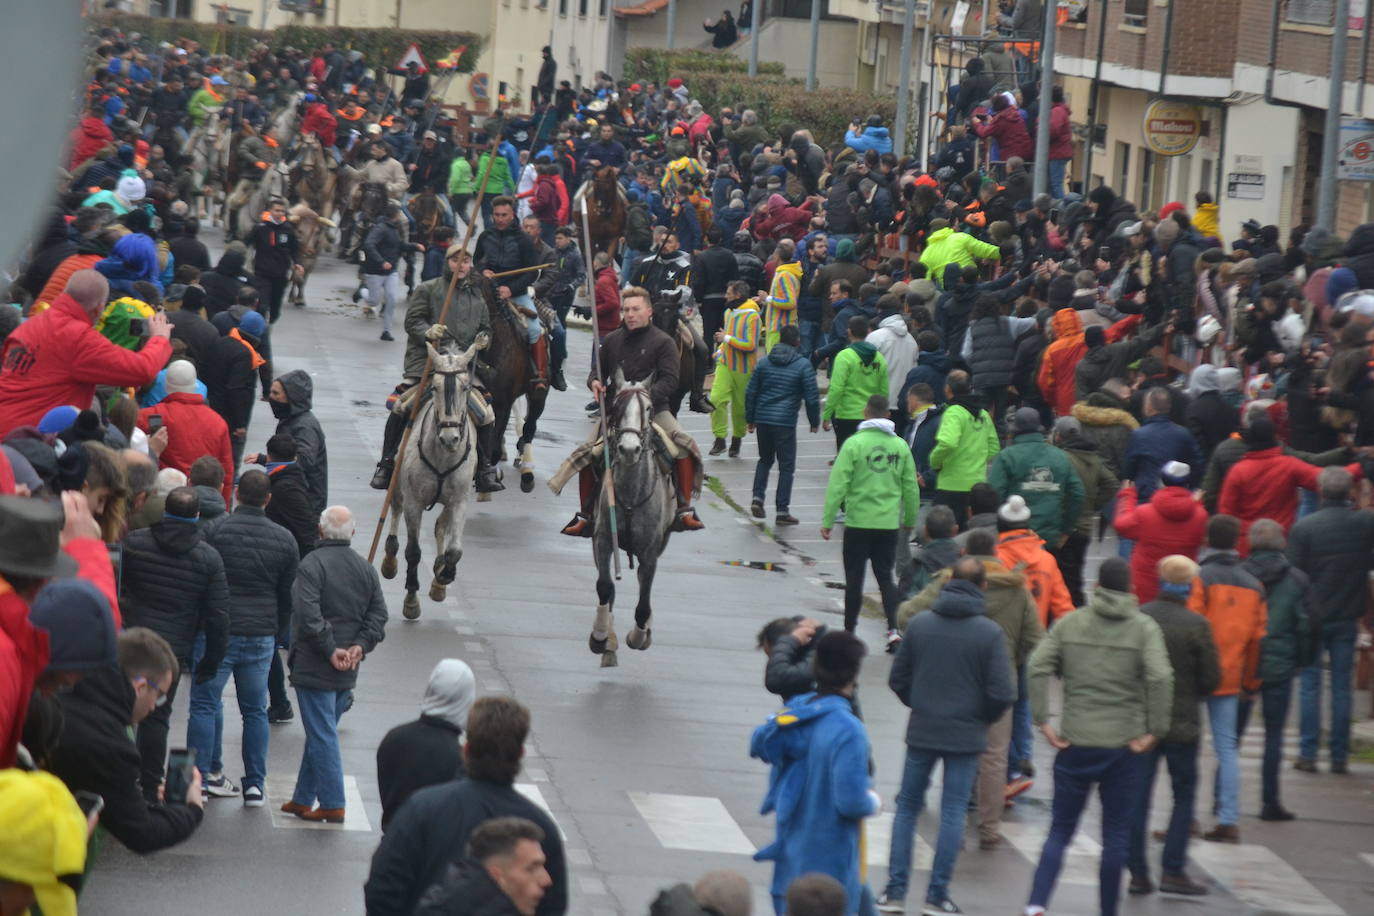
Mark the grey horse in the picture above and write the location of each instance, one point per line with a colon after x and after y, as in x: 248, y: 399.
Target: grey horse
x: 436, y: 467
x: 645, y: 508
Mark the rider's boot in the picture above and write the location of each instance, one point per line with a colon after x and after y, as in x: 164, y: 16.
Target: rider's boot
x: 699, y: 402
x: 391, y: 440
x: 539, y: 353
x: 556, y: 378
x: 488, y: 479
x: 685, y: 472
x: 581, y: 524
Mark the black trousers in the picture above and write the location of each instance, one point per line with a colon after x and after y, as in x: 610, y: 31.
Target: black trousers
x: 152, y: 745
x: 712, y: 318
x: 843, y: 430
x: 957, y: 500
x: 272, y: 290
x: 875, y: 547
x: 1071, y: 557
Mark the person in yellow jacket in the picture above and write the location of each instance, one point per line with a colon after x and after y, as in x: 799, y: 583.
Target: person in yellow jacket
x: 1207, y: 219
x: 782, y: 295
x: 945, y: 246
x: 737, y: 353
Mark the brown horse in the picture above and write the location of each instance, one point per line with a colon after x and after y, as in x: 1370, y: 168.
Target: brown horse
x: 606, y: 209
x: 312, y: 178
x: 512, y: 376
x: 428, y: 215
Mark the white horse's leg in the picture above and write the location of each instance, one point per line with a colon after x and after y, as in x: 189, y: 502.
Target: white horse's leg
x: 602, y: 640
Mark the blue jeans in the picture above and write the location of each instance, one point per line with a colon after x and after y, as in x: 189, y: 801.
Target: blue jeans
x: 778, y: 442
x: 1338, y: 641
x: 1022, y: 730
x: 321, y: 773
x: 627, y: 263
x: 810, y: 336
x: 1308, y: 502
x: 1116, y: 772
x: 248, y: 659
x: 960, y: 771
x: 1222, y: 716
x: 1057, y: 169
x: 1275, y: 698
x: 1182, y: 762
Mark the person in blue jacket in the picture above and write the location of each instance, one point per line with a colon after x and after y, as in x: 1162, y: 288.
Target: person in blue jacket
x: 870, y: 136
x: 819, y: 784
x: 781, y: 382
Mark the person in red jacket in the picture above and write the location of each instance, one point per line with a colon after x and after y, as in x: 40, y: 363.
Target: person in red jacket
x: 1006, y: 127
x: 1264, y: 483
x: 544, y: 203
x: 785, y: 221
x: 193, y: 427
x: 90, y: 136
x: 607, y: 295
x: 1172, y: 522
x: 321, y: 123
x: 59, y: 357
x: 1061, y: 142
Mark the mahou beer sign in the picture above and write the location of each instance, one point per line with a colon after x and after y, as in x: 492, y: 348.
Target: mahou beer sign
x: 1171, y: 128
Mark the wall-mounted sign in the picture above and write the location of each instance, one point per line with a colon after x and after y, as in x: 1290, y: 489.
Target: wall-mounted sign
x: 1245, y: 185
x: 1355, y: 158
x: 1171, y: 128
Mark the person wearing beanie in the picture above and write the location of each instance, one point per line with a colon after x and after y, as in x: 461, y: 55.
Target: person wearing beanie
x: 80, y: 625
x: 1193, y: 658
x: 1118, y: 703
x: 1175, y: 274
x: 1100, y: 486
x: 193, y: 427
x: 58, y: 420
x: 1233, y: 601
x: 1042, y: 476
x: 1171, y: 523
x: 954, y: 673
x: 819, y: 752
x: 1018, y: 547
x: 1264, y: 483
x: 1209, y: 417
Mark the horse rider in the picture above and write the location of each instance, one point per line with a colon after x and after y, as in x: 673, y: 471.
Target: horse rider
x: 661, y: 273
x: 319, y: 121
x: 257, y: 152
x: 503, y: 247
x: 243, y: 109
x: 639, y: 351
x: 430, y: 170
x: 607, y: 150
x: 380, y: 168
x: 467, y: 317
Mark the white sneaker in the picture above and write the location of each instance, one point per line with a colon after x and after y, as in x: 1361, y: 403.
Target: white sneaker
x: 219, y: 785
x: 894, y: 640
x: 252, y: 797
x: 889, y: 905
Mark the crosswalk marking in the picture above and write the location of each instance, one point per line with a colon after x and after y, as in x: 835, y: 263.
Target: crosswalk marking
x: 878, y: 832
x: 531, y: 792
x: 1257, y: 876
x: 1081, y: 860
x: 691, y: 822
x: 355, y: 813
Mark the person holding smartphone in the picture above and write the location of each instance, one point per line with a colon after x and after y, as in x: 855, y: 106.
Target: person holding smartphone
x: 94, y: 754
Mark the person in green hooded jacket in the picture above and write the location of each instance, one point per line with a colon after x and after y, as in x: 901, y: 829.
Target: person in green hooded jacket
x: 859, y: 373
x: 964, y: 444
x: 1043, y: 476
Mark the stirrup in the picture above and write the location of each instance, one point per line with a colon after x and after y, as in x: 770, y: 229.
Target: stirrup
x: 381, y: 478
x: 580, y: 527
x: 699, y: 402
x: 688, y: 520
x: 489, y: 481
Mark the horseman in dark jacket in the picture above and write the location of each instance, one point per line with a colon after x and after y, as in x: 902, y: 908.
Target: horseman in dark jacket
x: 503, y: 247
x: 173, y: 583
x: 260, y: 562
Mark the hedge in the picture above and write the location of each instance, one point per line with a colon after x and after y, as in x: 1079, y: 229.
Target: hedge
x: 381, y: 46
x: 659, y: 64
x: 778, y: 101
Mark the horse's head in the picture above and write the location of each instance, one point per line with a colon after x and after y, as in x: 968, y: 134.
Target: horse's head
x: 631, y: 413
x: 451, y: 381
x: 373, y: 197
x: 672, y: 306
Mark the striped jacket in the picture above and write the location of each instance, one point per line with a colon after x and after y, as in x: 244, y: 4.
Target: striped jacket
x: 739, y: 349
x: 782, y: 297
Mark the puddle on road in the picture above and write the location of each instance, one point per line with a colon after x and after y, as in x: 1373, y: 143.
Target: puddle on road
x: 361, y: 403
x: 764, y: 565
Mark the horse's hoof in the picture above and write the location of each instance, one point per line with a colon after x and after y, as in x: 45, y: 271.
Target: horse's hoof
x: 389, y: 566
x: 639, y: 639
x: 411, y: 607
x: 610, y: 660
x: 602, y: 646
x: 527, y: 482
x: 484, y: 497
x: 438, y: 592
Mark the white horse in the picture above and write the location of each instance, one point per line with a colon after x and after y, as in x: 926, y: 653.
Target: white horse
x: 437, y: 466
x: 208, y: 150
x: 273, y: 184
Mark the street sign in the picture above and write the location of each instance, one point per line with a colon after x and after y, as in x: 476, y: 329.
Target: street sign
x: 1245, y: 186
x: 1355, y: 158
x: 1171, y: 128
x: 413, y: 55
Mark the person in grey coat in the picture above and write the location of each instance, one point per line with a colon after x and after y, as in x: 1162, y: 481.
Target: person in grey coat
x: 338, y: 616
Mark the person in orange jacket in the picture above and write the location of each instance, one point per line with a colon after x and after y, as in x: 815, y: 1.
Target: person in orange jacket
x: 1057, y: 379
x: 1233, y: 602
x: 1023, y: 551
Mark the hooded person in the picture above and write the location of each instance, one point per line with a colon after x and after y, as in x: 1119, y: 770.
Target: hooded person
x: 1173, y: 522
x: 1057, y: 378
x: 1209, y: 417
x: 42, y: 841
x: 895, y: 342
x: 222, y: 284
x: 133, y: 258
x: 291, y: 400
x: 427, y: 751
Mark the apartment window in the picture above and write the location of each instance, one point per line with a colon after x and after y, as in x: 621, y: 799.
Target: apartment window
x: 601, y: 9
x: 562, y: 7
x: 1311, y: 12
x: 1137, y: 11
x: 1123, y: 164
x: 582, y: 8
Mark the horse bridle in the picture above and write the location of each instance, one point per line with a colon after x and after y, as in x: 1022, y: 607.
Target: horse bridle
x: 449, y: 392
x: 622, y: 397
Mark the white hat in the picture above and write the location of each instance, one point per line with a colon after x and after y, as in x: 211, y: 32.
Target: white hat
x: 1175, y: 471
x: 1014, y: 510
x: 1359, y: 300
x: 374, y: 128
x: 131, y: 188
x: 1207, y: 330
x: 181, y: 377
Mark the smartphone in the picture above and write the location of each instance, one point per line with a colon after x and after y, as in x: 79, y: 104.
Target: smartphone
x: 91, y: 804
x: 154, y: 423
x: 181, y: 764
x: 137, y: 327
x: 1054, y: 214
x: 1105, y: 253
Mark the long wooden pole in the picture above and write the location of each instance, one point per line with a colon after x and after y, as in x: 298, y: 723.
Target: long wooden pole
x: 608, y: 477
x: 429, y: 362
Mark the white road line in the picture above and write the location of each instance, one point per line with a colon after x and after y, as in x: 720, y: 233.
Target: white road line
x: 1081, y: 859
x: 1257, y: 876
x: 355, y: 813
x: 531, y: 791
x: 691, y: 822
x: 878, y: 832
x: 1368, y: 858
